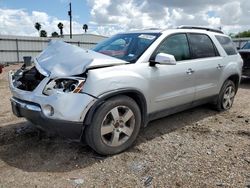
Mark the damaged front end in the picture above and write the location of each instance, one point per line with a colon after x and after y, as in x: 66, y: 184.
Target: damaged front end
x: 27, y: 79
x: 57, y: 105
x: 51, y: 94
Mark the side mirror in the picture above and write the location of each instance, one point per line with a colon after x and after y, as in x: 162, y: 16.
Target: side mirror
x: 165, y: 59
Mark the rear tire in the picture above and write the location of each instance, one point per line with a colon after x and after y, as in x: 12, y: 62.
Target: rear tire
x: 115, y: 126
x: 226, y: 96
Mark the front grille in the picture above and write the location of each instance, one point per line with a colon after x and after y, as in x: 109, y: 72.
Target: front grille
x: 246, y: 59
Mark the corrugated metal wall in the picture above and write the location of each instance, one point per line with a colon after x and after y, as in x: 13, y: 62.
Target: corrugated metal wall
x: 13, y: 48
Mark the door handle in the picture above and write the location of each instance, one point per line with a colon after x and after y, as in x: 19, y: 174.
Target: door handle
x: 220, y: 66
x: 190, y: 71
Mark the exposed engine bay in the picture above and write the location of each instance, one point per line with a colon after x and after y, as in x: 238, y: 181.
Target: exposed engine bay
x: 27, y: 78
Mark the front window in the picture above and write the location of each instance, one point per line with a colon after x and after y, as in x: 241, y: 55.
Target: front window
x: 246, y: 46
x: 176, y: 45
x: 128, y: 47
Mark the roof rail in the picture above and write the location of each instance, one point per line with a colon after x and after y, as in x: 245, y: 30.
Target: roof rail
x: 200, y: 27
x: 152, y: 28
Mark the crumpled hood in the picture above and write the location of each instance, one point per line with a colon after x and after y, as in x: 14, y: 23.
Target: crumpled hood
x: 61, y: 59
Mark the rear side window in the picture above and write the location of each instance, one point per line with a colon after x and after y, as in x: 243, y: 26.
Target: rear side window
x: 176, y: 45
x: 227, y: 44
x: 201, y: 46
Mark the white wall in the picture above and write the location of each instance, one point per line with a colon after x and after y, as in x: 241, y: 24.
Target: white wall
x: 13, y: 48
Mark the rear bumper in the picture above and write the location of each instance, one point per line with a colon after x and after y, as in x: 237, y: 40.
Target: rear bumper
x: 246, y: 72
x: 33, y: 113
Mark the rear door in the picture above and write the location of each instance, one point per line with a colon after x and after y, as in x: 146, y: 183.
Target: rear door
x: 208, y: 65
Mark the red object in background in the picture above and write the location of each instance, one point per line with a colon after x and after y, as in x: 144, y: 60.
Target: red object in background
x: 1, y: 69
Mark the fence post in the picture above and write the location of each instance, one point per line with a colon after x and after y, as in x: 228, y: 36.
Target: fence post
x: 17, y: 50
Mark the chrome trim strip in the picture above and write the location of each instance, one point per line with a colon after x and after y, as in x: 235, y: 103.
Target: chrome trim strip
x: 27, y: 106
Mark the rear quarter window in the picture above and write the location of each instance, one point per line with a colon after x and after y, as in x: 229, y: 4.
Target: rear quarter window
x: 227, y: 44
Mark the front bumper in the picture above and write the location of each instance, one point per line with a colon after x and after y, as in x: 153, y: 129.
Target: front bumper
x: 33, y: 113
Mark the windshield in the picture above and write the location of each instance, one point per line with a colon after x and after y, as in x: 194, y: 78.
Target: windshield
x: 247, y: 46
x: 128, y: 47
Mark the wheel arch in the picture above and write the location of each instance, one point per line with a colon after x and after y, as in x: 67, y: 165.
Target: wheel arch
x: 136, y: 95
x: 235, y: 78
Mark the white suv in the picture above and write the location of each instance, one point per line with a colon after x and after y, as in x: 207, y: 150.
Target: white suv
x: 107, y: 94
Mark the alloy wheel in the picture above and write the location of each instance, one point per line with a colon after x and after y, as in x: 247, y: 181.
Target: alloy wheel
x: 117, y: 126
x: 228, y: 97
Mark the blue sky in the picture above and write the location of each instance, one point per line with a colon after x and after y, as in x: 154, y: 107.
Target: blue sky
x: 108, y: 17
x: 57, y: 8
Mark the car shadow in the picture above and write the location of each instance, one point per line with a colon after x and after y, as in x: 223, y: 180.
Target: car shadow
x: 33, y: 153
x: 175, y: 122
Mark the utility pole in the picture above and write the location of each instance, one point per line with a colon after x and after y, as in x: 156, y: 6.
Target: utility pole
x: 70, y: 19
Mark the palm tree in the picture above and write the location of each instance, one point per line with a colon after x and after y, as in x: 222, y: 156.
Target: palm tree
x: 85, y: 27
x: 43, y: 33
x: 54, y: 34
x: 60, y: 26
x: 38, y: 26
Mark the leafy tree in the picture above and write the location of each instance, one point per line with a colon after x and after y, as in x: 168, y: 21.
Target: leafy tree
x: 243, y: 34
x: 85, y: 27
x: 43, y: 33
x: 54, y: 34
x: 38, y: 26
x: 60, y: 26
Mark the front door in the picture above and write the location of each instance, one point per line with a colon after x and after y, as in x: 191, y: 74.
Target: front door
x: 172, y: 85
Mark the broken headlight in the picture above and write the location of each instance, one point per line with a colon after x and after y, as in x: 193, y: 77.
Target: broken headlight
x: 64, y: 85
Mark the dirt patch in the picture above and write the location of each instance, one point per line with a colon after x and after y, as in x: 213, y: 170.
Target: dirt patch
x: 244, y: 133
x: 196, y: 148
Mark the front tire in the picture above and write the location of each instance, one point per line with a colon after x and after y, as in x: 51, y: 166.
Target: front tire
x: 115, y: 126
x: 226, y: 96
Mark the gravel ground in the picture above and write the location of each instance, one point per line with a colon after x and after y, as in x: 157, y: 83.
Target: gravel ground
x: 196, y: 148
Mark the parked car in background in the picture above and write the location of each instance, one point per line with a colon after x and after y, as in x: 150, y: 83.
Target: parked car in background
x: 1, y: 68
x: 105, y: 95
x: 245, y: 54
